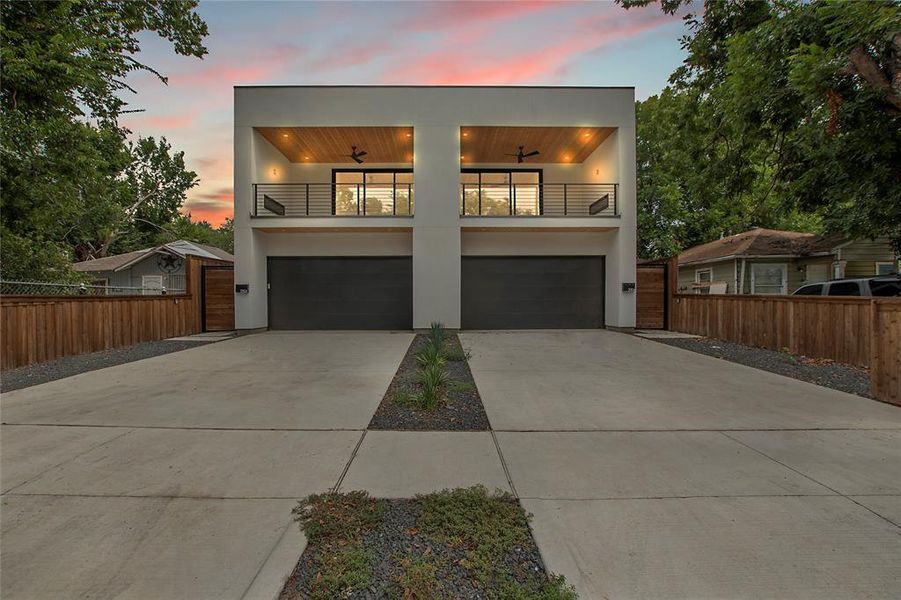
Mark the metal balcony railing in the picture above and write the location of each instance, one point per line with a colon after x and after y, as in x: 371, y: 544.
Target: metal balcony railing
x: 332, y: 199
x: 532, y: 200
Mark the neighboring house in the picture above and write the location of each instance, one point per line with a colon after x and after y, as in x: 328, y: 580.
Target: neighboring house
x: 768, y: 261
x: 152, y: 269
x: 392, y: 207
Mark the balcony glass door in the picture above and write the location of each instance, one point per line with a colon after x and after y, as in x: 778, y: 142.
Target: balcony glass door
x: 501, y: 192
x: 372, y: 192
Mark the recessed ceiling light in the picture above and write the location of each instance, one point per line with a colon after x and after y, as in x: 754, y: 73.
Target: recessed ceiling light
x: 465, y: 134
x: 586, y: 135
x: 566, y: 157
x: 462, y: 157
x: 306, y: 158
x: 409, y: 135
x: 284, y: 135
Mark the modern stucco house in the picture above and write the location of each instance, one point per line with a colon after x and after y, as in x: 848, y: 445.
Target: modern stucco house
x: 151, y: 269
x: 391, y: 207
x: 770, y: 261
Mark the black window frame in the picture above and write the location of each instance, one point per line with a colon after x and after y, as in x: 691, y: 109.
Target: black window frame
x: 364, y: 171
x: 509, y: 172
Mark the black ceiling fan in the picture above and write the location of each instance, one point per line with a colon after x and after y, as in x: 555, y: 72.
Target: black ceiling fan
x: 520, y: 156
x: 357, y: 156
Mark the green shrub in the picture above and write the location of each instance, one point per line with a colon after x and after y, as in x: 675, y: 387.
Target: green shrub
x: 330, y: 516
x: 433, y: 377
x: 460, y: 386
x: 403, y: 398
x: 340, y: 571
x: 487, y: 526
x: 418, y: 579
x: 430, y: 355
x: 554, y: 588
x: 437, y: 335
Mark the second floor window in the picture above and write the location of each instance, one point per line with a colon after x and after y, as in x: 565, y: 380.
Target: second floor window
x: 372, y: 192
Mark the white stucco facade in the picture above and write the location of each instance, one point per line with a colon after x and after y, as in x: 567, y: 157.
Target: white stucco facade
x: 436, y: 236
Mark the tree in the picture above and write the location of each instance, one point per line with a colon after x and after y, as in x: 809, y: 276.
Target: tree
x: 67, y: 173
x: 184, y: 228
x: 154, y: 186
x: 798, y: 106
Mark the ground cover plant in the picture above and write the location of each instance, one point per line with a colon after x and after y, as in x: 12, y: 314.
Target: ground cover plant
x: 463, y: 543
x: 433, y: 388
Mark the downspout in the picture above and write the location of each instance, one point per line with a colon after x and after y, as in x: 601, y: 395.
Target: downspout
x: 741, y: 283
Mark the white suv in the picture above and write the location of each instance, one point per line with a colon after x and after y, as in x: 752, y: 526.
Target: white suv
x: 882, y: 285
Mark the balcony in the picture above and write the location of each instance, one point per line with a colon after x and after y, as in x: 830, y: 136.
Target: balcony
x: 539, y: 200
x: 332, y: 200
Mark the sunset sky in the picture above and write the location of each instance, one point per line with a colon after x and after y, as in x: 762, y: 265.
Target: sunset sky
x: 474, y: 43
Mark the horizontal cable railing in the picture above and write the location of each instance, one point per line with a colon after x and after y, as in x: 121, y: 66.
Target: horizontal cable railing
x: 43, y: 288
x: 547, y: 199
x: 332, y: 199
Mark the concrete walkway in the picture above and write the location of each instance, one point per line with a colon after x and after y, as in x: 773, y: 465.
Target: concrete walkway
x: 654, y: 472
x: 651, y: 471
x: 175, y: 476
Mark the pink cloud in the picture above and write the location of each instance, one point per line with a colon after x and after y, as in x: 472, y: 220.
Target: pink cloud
x: 213, y: 206
x: 449, y: 65
x: 443, y: 15
x: 246, y: 69
x: 352, y: 56
x: 168, y: 122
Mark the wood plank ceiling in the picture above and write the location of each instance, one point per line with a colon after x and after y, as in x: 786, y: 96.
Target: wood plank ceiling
x: 478, y: 144
x: 333, y: 144
x: 557, y: 144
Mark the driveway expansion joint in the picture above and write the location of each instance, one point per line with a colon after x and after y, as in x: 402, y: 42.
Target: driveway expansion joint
x: 353, y: 455
x: 67, y: 460
x: 846, y: 496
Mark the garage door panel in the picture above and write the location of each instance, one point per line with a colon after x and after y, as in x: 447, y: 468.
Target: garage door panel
x: 532, y: 292
x: 341, y: 292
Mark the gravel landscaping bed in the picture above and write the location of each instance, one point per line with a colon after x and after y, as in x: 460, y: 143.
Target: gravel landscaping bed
x: 67, y: 366
x: 462, y: 410
x: 463, y: 543
x: 823, y: 372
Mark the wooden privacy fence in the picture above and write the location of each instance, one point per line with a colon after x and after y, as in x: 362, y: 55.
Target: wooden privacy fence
x: 864, y: 332
x: 35, y: 329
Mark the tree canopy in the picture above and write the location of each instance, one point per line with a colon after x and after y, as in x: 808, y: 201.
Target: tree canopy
x: 74, y: 185
x: 784, y: 114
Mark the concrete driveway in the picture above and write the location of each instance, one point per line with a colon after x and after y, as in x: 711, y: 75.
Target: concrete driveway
x: 654, y: 472
x: 175, y: 476
x: 651, y: 471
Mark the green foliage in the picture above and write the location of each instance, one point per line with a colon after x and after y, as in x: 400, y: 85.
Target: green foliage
x: 73, y: 187
x: 432, y: 382
x: 486, y: 526
x: 430, y: 355
x: 554, y: 588
x: 183, y: 228
x: 460, y: 386
x: 340, y: 571
x: 333, y: 516
x: 437, y: 334
x: 782, y: 116
x: 418, y: 578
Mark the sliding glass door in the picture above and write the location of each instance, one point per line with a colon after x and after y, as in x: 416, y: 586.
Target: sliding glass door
x: 372, y: 192
x: 498, y: 192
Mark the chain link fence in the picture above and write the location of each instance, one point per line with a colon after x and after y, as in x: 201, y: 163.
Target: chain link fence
x: 42, y: 288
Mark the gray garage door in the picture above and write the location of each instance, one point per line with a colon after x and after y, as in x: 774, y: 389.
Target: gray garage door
x: 532, y: 292
x: 341, y: 292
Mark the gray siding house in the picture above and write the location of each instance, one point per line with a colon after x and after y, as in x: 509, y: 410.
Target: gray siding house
x: 152, y: 270
x: 770, y: 261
